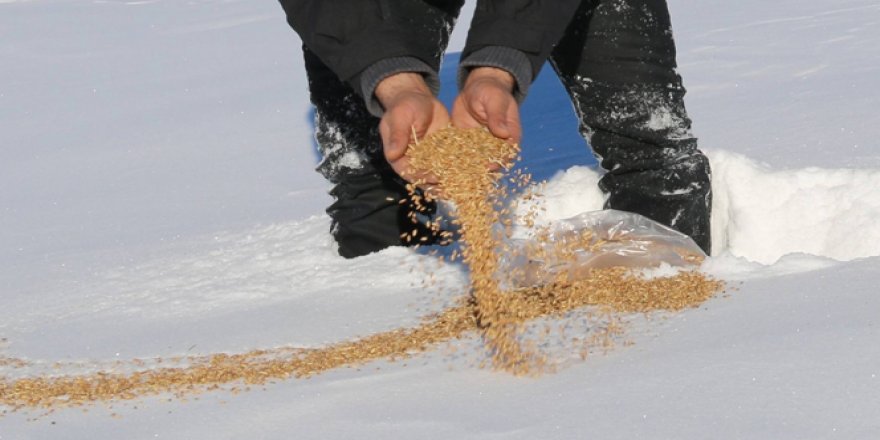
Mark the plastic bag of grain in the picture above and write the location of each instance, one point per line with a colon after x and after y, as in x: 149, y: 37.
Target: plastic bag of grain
x: 568, y: 249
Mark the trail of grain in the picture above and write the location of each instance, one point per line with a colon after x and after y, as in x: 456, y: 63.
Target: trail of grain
x: 612, y: 288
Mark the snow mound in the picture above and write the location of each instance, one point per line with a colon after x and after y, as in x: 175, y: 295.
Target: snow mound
x: 760, y: 214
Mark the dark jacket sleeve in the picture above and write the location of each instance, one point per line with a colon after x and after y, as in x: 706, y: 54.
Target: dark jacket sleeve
x: 351, y: 35
x: 510, y: 33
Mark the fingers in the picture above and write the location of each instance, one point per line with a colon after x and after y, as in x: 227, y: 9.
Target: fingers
x: 411, y: 114
x: 499, y: 112
x: 407, y: 103
x: 497, y: 109
x: 396, y: 131
x: 462, y: 116
x: 488, y: 102
x: 514, y: 125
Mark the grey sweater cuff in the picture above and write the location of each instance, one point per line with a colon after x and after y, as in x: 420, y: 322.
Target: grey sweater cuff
x: 506, y: 58
x: 373, y: 75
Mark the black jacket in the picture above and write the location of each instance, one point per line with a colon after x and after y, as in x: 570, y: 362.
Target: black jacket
x: 350, y: 36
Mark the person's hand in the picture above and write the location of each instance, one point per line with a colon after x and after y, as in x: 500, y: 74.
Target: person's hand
x: 486, y: 100
x: 410, y: 108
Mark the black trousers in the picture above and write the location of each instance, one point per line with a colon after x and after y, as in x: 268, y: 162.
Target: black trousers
x: 617, y: 62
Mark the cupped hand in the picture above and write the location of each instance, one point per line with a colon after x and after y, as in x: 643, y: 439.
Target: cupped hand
x: 486, y: 100
x: 410, y: 109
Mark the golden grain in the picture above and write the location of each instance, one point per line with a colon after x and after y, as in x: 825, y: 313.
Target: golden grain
x: 458, y: 159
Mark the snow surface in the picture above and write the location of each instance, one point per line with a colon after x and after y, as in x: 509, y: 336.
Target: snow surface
x: 158, y: 198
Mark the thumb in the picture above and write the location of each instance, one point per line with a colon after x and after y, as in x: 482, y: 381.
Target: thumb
x: 395, y: 133
x: 496, y: 117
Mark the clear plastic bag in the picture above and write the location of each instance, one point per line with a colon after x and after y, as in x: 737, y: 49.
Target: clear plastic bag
x: 570, y: 248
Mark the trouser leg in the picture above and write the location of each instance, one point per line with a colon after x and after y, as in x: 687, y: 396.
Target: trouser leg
x: 366, y: 215
x: 617, y: 62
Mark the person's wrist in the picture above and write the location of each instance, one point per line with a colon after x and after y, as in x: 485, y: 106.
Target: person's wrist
x: 391, y: 88
x: 495, y: 75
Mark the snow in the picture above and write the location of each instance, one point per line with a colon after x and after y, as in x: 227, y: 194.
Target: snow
x: 159, y: 198
x: 763, y: 214
x: 760, y: 213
